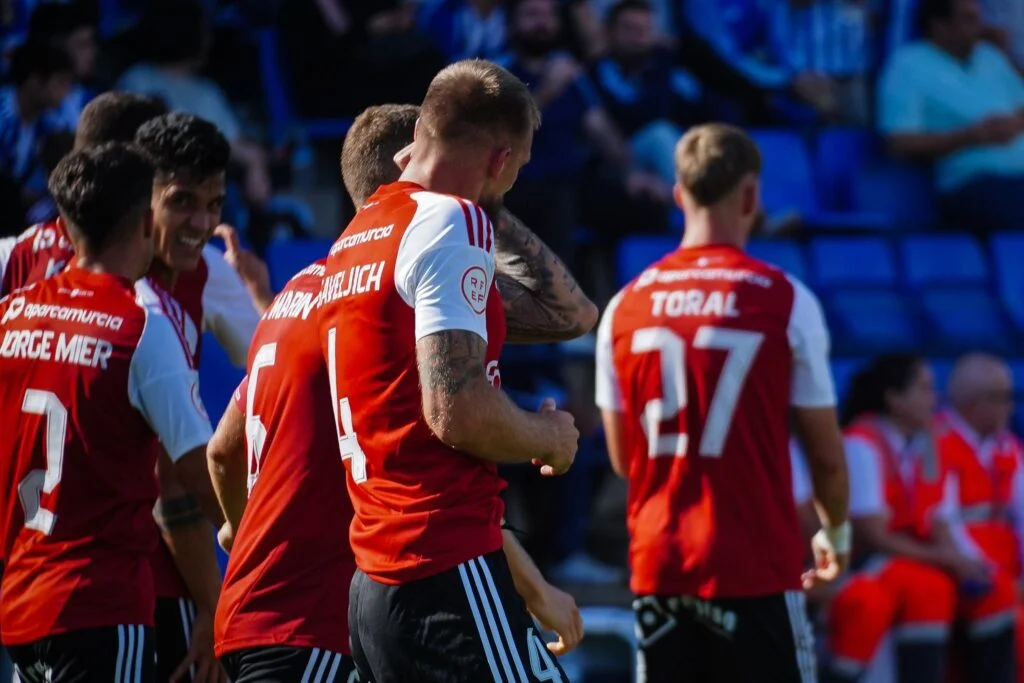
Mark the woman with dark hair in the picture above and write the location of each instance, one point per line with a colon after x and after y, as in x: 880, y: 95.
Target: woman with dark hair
x: 904, y: 548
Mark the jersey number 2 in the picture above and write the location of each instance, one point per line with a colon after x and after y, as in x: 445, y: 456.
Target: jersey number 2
x: 38, y: 482
x: 347, y: 441
x: 741, y: 348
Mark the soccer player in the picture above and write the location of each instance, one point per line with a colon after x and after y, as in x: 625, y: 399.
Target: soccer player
x: 264, y: 594
x: 44, y: 249
x: 410, y: 323
x: 92, y: 384
x: 700, y: 361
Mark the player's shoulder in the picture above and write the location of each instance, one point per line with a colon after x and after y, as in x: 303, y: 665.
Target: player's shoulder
x: 444, y: 219
x: 299, y: 297
x: 164, y: 329
x: 154, y: 300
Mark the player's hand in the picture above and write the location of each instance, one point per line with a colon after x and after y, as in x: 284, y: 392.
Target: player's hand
x: 557, y: 611
x: 226, y: 536
x: 828, y: 564
x: 201, y: 655
x: 564, y: 441
x: 250, y: 267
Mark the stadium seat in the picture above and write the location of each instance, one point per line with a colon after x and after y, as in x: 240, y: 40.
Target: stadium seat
x: 873, y: 321
x: 288, y: 257
x: 788, y: 186
x: 840, y: 155
x: 943, y: 260
x: 853, y: 261
x: 902, y: 193
x: 785, y: 254
x: 843, y: 370
x: 967, y: 318
x: 941, y: 367
x: 218, y: 378
x: 636, y: 253
x: 1008, y: 269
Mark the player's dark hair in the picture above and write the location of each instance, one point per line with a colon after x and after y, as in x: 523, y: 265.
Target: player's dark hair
x: 38, y: 58
x: 712, y: 159
x: 102, y: 192
x: 115, y: 117
x: 477, y: 101
x: 367, y: 155
x: 932, y: 10
x: 55, y: 21
x: 173, y: 31
x: 623, y: 6
x: 893, y: 372
x: 184, y: 146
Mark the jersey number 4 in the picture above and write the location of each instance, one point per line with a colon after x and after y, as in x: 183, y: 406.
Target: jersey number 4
x: 741, y: 348
x: 347, y: 441
x: 38, y: 482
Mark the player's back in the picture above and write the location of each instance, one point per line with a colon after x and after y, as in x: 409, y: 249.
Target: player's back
x: 77, y: 461
x: 421, y: 506
x: 39, y: 252
x: 701, y: 345
x: 288, y: 576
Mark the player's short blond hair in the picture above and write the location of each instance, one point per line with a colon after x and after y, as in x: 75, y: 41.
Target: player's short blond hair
x: 370, y: 146
x: 712, y: 159
x: 475, y: 100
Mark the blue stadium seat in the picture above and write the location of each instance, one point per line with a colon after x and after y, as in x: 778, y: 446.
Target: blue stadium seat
x: 788, y: 184
x: 636, y: 253
x: 853, y: 261
x: 785, y: 254
x: 943, y: 260
x: 902, y: 193
x: 941, y: 367
x: 967, y: 318
x: 1008, y: 267
x: 840, y: 156
x: 871, y: 321
x: 843, y: 370
x: 286, y: 258
x: 218, y: 378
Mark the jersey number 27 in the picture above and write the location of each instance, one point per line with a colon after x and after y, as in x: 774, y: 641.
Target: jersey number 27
x: 740, y: 346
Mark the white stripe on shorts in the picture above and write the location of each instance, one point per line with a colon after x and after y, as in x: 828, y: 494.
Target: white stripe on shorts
x: 803, y: 636
x: 485, y: 640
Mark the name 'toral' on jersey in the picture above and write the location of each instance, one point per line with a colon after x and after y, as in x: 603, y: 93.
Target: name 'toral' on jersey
x: 410, y: 264
x: 91, y: 382
x: 703, y: 354
x: 288, y: 575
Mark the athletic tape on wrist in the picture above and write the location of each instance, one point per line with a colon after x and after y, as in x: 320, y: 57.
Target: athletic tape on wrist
x: 838, y: 537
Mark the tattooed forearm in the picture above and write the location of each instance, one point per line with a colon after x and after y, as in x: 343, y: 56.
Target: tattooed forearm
x: 448, y: 362
x: 543, y: 302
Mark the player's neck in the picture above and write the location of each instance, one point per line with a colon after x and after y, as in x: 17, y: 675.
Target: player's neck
x: 115, y: 262
x: 444, y: 173
x: 163, y: 274
x: 703, y: 231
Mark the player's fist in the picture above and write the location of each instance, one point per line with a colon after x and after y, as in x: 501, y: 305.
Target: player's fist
x: 563, y: 439
x: 829, y: 565
x: 226, y: 536
x: 557, y: 611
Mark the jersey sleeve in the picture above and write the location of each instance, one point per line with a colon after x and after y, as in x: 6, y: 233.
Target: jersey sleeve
x: 809, y: 340
x: 6, y: 250
x: 867, y: 498
x: 608, y: 393
x: 803, y: 489
x: 228, y: 310
x: 165, y: 389
x: 445, y: 266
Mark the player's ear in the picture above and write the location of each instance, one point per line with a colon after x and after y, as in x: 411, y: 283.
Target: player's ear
x: 750, y: 194
x: 677, y: 195
x: 500, y: 158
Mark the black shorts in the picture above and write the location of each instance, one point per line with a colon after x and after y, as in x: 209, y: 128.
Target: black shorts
x: 464, y: 625
x: 120, y: 654
x: 174, y: 619
x: 282, y: 664
x: 736, y: 640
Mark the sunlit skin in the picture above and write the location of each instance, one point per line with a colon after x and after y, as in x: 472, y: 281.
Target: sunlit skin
x: 185, y: 214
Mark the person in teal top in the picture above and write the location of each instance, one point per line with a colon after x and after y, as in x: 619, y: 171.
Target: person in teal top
x: 958, y: 102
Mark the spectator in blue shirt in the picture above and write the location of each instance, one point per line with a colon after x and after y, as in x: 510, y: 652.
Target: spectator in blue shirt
x: 739, y: 36
x: 647, y: 96
x: 462, y: 29
x: 958, y: 102
x: 573, y: 120
x: 42, y: 77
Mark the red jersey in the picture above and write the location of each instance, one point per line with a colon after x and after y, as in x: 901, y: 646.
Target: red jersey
x: 40, y: 252
x: 91, y: 382
x: 703, y: 355
x: 289, y: 571
x: 410, y: 264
